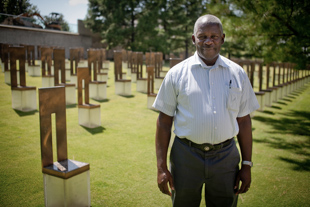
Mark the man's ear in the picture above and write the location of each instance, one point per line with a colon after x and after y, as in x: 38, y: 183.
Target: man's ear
x: 223, y: 38
x: 193, y: 39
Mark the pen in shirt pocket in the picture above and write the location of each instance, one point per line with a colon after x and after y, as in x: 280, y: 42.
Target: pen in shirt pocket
x: 230, y: 84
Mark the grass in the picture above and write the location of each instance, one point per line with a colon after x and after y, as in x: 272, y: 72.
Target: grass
x: 122, y: 159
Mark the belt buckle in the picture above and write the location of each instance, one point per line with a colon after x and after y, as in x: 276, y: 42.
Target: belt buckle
x: 208, y: 147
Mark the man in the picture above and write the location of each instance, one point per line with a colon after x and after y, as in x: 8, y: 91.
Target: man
x: 209, y: 98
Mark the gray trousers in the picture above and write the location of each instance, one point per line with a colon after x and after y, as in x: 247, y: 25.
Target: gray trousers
x: 192, y: 168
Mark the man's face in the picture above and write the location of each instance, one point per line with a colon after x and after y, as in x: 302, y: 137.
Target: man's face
x: 208, y: 41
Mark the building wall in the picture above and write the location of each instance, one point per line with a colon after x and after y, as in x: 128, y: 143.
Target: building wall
x: 17, y: 35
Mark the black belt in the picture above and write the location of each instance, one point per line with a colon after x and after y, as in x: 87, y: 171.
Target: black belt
x: 206, y: 147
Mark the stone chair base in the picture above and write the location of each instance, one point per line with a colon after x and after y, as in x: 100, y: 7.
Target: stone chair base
x: 261, y: 100
x: 34, y: 70
x: 89, y: 115
x: 83, y: 63
x: 24, y: 99
x: 129, y: 72
x: 7, y: 77
x: 103, y: 77
x: 133, y: 77
x: 48, y: 81
x: 2, y: 66
x: 68, y: 74
x: 150, y: 100
x: 123, y: 87
x: 67, y: 183
x: 274, y: 94
x: 142, y: 85
x: 268, y: 97
x: 70, y: 94
x: 106, y: 64
x: 104, y: 70
x: 98, y: 90
x: 163, y: 73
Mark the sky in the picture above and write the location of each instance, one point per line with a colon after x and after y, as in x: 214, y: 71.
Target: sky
x: 71, y: 9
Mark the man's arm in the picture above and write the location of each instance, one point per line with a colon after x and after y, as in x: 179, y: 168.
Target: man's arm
x: 245, y: 143
x: 163, y: 133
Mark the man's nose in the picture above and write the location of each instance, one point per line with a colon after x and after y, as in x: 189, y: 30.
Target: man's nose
x: 208, y: 41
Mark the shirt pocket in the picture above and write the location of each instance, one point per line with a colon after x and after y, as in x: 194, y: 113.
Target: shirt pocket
x: 234, y: 97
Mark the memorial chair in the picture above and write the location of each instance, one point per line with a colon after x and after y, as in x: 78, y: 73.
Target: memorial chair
x: 82, y: 61
x: 46, y: 67
x: 124, y: 59
x: 23, y: 97
x: 103, y: 66
x: 141, y: 81
x: 74, y: 63
x: 6, y: 64
x: 266, y: 93
x: 60, y: 75
x: 34, y: 70
x: 134, y: 66
x: 122, y: 86
x: 271, y: 67
x: 89, y: 114
x: 151, y: 96
x: 104, y: 63
x: 260, y: 96
x: 129, y: 63
x: 159, y: 75
x: 1, y: 58
x: 159, y: 64
x: 97, y: 89
x: 66, y: 182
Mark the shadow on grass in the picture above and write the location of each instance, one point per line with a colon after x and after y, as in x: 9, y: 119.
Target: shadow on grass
x: 276, y: 107
x: 96, y: 130
x: 268, y: 112
x: 28, y: 113
x: 285, y: 99
x: 102, y: 101
x: 295, y: 123
x: 130, y: 96
x: 71, y: 106
x: 298, y: 164
x: 280, y: 102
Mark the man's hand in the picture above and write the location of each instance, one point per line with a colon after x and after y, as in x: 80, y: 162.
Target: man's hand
x: 163, y: 178
x: 244, y: 175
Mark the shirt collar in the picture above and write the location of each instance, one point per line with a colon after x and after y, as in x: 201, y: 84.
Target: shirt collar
x: 219, y: 62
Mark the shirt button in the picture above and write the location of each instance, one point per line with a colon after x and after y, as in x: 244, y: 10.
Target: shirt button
x: 214, y: 112
x: 215, y: 127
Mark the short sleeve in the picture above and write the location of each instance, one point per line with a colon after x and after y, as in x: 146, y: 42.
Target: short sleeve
x: 166, y: 99
x: 249, y: 101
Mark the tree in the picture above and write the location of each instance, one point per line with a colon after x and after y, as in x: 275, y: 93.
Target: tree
x: 275, y: 30
x: 115, y: 20
x: 144, y: 25
x: 13, y: 7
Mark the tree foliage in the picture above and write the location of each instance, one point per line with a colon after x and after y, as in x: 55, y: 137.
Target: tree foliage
x: 273, y: 30
x: 144, y: 25
x: 14, y: 7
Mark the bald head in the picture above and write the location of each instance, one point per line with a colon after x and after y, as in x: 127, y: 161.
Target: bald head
x: 208, y: 19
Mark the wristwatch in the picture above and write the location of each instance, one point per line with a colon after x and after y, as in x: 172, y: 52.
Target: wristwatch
x: 249, y: 163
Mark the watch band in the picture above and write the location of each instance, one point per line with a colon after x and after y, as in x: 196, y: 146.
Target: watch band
x: 247, y: 163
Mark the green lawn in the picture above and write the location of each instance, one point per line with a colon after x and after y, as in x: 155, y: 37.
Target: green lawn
x: 122, y: 159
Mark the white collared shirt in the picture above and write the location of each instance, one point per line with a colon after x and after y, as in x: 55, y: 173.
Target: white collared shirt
x: 206, y: 102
